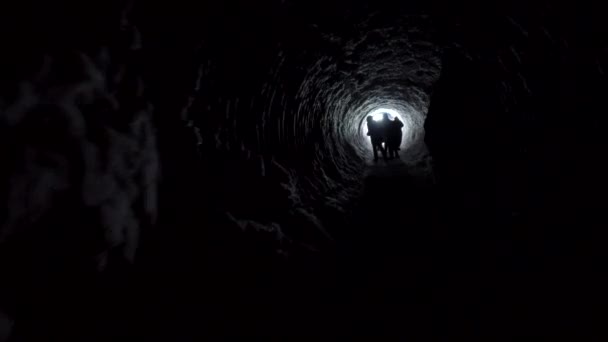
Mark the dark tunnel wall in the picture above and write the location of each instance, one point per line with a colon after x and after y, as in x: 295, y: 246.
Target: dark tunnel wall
x: 167, y: 133
x: 514, y: 83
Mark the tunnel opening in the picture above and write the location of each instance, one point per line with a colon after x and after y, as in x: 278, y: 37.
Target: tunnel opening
x: 414, y: 152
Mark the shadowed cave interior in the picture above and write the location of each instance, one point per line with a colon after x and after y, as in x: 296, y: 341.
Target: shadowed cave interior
x: 185, y: 171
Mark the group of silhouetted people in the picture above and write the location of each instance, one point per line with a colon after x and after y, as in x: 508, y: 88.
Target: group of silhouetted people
x: 385, y: 135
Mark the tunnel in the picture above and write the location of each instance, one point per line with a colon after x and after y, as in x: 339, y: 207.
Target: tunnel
x: 203, y: 171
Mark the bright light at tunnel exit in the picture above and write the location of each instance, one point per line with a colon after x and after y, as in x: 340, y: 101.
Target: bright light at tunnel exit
x: 378, y: 113
x: 392, y: 113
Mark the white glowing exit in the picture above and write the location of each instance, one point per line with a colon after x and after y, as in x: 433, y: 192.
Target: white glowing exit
x: 378, y: 113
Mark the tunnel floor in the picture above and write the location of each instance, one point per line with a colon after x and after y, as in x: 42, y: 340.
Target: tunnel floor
x: 375, y: 282
x: 387, y: 257
x: 398, y: 270
x: 388, y: 254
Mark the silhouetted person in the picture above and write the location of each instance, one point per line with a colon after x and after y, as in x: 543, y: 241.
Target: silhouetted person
x: 384, y: 126
x: 393, y: 137
x: 376, y: 133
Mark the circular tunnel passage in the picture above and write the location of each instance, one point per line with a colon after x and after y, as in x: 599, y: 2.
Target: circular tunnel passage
x: 298, y: 123
x: 393, y: 67
x: 208, y: 156
x: 293, y: 157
